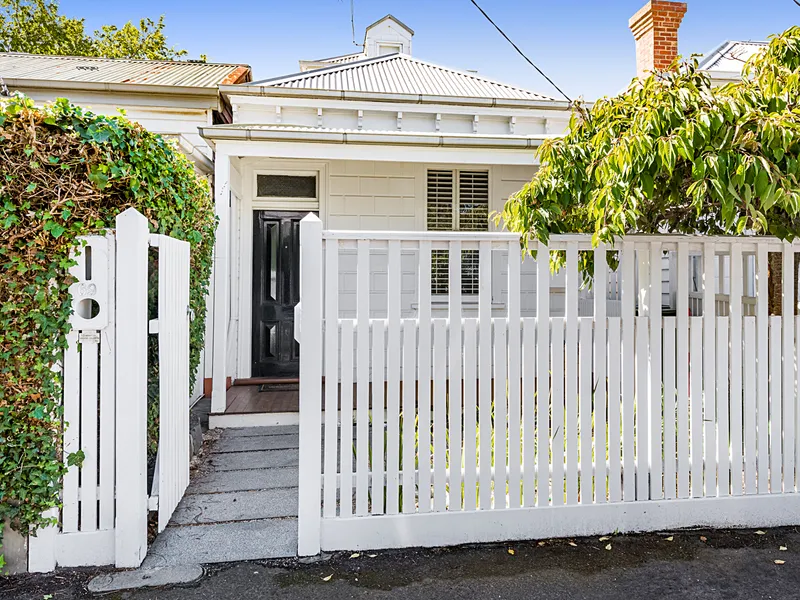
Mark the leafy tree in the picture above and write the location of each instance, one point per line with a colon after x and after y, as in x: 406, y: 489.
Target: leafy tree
x: 37, y: 27
x: 673, y: 153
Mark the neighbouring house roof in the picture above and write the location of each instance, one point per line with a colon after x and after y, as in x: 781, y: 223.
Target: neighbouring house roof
x: 19, y: 67
x: 730, y: 56
x: 399, y: 74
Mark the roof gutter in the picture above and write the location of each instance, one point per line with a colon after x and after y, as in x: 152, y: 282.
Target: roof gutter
x: 282, y: 92
x: 223, y: 133
x: 97, y: 86
x: 204, y: 164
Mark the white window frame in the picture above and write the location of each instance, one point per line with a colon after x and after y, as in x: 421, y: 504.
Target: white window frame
x: 456, y: 212
x: 286, y: 203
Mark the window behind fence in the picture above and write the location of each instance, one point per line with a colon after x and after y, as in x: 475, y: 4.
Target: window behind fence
x: 457, y: 201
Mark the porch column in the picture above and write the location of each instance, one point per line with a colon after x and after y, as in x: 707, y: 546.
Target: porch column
x: 220, y: 313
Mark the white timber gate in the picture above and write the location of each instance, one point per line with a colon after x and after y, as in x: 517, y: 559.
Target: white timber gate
x: 460, y: 430
x: 104, y: 500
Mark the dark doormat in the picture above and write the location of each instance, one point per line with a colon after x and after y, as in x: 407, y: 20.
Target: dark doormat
x: 279, y: 387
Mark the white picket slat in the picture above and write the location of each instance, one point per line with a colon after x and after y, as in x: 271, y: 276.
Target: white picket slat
x: 89, y: 406
x: 642, y: 410
x: 409, y: 414
x: 378, y: 427
x: 736, y: 422
x: 485, y: 373
x: 514, y: 356
x: 424, y: 386
x: 762, y: 368
x: 670, y: 450
x: 789, y: 372
x: 775, y: 401
x: 655, y: 392
x: 330, y: 471
x: 454, y: 364
x: 614, y: 411
x: 750, y: 407
x: 557, y: 408
x: 346, y: 437
x: 529, y: 410
x: 709, y: 370
x: 585, y: 408
x: 500, y: 414
x: 628, y: 368
x: 600, y: 379
x: 393, y: 380
x: 439, y: 415
x: 363, y: 376
x: 108, y: 395
x: 571, y: 373
x: 723, y: 418
x: 543, y: 375
x: 470, y: 414
x: 696, y: 403
x: 682, y: 368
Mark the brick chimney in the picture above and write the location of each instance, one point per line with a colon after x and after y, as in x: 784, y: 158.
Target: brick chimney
x: 655, y: 29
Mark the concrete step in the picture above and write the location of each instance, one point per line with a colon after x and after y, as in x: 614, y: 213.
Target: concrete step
x: 258, y: 442
x: 256, y: 431
x: 224, y: 542
x: 214, y: 482
x: 260, y: 459
x: 235, y: 506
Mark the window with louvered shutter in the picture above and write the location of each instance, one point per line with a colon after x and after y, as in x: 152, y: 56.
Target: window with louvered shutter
x: 457, y: 201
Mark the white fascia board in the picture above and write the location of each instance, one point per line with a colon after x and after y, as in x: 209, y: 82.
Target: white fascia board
x: 384, y: 152
x: 281, y: 92
x: 451, y: 109
x: 211, y: 94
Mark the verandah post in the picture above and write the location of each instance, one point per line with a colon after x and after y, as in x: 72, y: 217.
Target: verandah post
x: 131, y: 390
x: 309, y: 519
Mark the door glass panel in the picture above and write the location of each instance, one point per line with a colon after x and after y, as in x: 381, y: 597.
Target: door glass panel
x: 274, y: 241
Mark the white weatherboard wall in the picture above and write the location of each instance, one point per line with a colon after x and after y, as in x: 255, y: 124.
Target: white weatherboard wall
x: 531, y: 427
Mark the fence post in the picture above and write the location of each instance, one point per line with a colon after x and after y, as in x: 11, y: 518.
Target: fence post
x: 131, y: 389
x: 309, y: 519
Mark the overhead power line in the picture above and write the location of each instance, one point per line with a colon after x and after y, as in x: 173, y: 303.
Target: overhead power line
x: 521, y: 53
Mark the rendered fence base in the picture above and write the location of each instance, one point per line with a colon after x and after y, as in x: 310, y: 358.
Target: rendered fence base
x: 453, y: 528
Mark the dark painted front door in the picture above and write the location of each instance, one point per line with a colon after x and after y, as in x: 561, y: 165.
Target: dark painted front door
x: 276, y: 291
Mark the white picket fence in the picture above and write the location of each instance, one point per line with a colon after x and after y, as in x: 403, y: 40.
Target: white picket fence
x: 465, y: 430
x: 103, y: 517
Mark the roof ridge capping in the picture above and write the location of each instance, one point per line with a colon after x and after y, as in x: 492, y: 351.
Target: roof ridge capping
x: 132, y: 60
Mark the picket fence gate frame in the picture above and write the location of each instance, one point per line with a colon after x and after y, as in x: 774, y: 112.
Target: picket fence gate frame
x: 657, y: 497
x: 103, y: 517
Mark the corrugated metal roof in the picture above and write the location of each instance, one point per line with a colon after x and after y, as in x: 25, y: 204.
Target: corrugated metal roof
x: 339, y: 60
x: 15, y: 65
x: 401, y: 74
x: 730, y: 56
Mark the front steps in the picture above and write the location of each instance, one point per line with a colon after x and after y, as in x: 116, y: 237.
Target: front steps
x: 242, y: 505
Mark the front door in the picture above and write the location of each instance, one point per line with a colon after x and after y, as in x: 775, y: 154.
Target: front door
x: 276, y: 291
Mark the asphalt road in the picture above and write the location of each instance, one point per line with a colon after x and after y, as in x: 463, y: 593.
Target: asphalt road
x: 727, y: 565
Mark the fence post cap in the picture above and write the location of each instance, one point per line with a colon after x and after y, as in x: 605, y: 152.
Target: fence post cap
x: 311, y: 218
x: 131, y: 214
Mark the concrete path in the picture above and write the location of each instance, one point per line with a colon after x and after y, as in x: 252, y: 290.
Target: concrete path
x: 240, y: 505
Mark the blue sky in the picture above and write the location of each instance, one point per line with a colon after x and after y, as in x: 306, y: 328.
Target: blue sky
x: 584, y: 45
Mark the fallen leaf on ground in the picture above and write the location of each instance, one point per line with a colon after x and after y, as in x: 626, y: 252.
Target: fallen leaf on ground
x: 372, y: 555
x: 355, y: 555
x: 573, y: 544
x: 511, y: 551
x: 541, y: 543
x: 783, y: 548
x: 779, y: 562
x: 670, y: 538
x: 703, y: 538
x: 608, y: 547
x: 759, y: 532
x: 328, y: 578
x: 604, y: 538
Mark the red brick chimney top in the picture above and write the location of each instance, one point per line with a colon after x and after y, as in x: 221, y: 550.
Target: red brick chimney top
x: 655, y: 29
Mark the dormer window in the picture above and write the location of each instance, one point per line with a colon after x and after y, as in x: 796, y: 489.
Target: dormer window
x: 384, y: 49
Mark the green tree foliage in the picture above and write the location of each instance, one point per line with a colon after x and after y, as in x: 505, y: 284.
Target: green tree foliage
x: 65, y: 172
x: 37, y: 27
x: 673, y: 153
